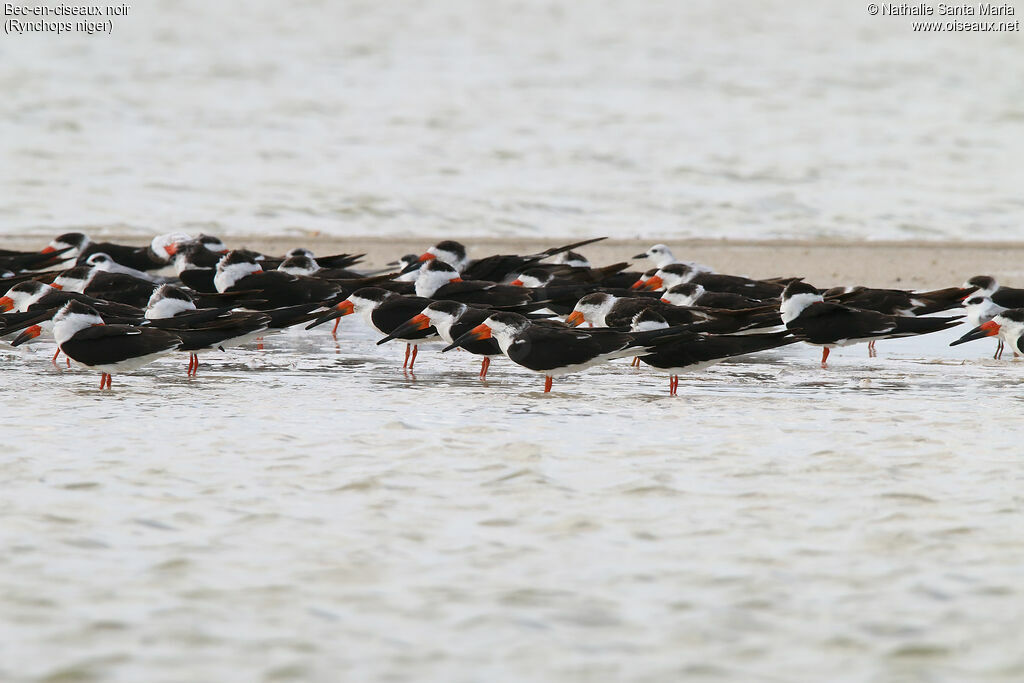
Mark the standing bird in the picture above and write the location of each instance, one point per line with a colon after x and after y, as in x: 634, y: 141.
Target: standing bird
x: 83, y: 336
x: 826, y: 324
x: 173, y: 310
x: 555, y: 351
x: 691, y: 351
x: 1008, y: 325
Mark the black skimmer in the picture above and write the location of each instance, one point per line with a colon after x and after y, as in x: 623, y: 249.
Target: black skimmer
x: 36, y: 296
x: 173, y: 310
x: 83, y: 336
x: 239, y: 271
x: 811, y: 319
x: 681, y: 273
x: 1008, y: 297
x: 692, y: 351
x: 452, y: 319
x: 897, y: 301
x: 692, y: 294
x: 385, y: 311
x: 14, y: 262
x: 99, y: 284
x: 497, y: 268
x: 981, y: 309
x: 438, y: 280
x: 150, y: 257
x: 602, y: 309
x: 1008, y: 325
x: 301, y: 264
x: 554, y: 351
x: 331, y: 262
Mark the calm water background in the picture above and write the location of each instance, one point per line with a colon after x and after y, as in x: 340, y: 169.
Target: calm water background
x: 751, y: 119
x: 310, y: 513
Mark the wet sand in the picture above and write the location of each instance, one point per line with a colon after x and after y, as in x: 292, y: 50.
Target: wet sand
x: 825, y: 263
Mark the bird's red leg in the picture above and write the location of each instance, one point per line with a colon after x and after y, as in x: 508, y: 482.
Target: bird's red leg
x: 548, y: 379
x: 999, y: 350
x: 54, y: 360
x: 412, y: 361
x: 871, y: 349
x: 407, y: 350
x: 103, y: 381
x: 483, y: 367
x: 824, y: 356
x: 259, y: 343
x: 334, y: 332
x: 636, y: 362
x: 110, y: 380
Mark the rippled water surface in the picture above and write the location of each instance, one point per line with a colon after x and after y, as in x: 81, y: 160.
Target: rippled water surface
x: 309, y: 512
x: 669, y: 119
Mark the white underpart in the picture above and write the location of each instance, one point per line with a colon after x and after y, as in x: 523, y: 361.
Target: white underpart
x: 365, y: 308
x: 1009, y: 331
x: 448, y: 257
x: 795, y: 305
x: 596, y: 314
x: 670, y: 280
x: 167, y: 307
x: 22, y: 300
x: 530, y: 281
x: 429, y: 281
x: 983, y: 312
x: 73, y: 254
x: 677, y: 299
x: 158, y: 245
x: 648, y: 325
x: 67, y: 284
x: 227, y: 276
x: 65, y: 325
x: 442, y: 322
x: 564, y: 258
x: 296, y: 270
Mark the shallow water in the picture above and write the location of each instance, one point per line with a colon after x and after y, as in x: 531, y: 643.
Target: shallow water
x: 310, y: 513
x: 747, y: 119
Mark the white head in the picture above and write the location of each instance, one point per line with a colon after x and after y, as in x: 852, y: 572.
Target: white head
x: 673, y: 274
x: 211, y: 243
x: 163, y: 247
x: 505, y: 327
x: 571, y: 258
x: 795, y: 298
x: 167, y: 301
x: 592, y: 309
x: 433, y: 275
x: 78, y: 241
x: 448, y: 251
x: 660, y: 255
x: 442, y: 315
x: 981, y: 309
x: 232, y: 267
x: 299, y: 264
x: 24, y: 294
x: 986, y: 284
x: 644, y: 321
x: 74, y: 316
x: 75, y: 279
x: 533, y: 277
x: 683, y: 295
